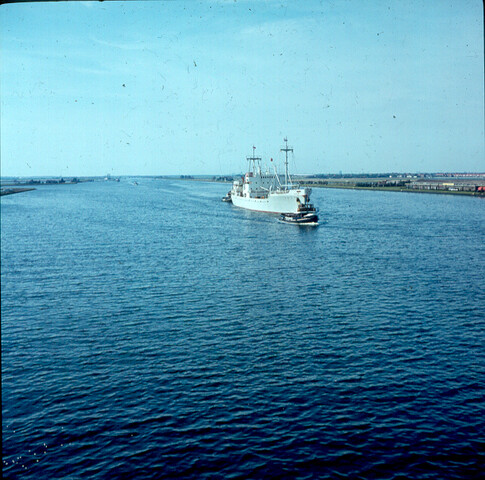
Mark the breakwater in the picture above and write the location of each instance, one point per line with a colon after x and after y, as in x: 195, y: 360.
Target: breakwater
x: 11, y: 191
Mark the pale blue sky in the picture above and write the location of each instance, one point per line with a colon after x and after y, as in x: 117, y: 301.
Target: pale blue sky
x: 172, y: 87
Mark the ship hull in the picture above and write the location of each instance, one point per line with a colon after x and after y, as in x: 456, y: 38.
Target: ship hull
x: 287, y: 202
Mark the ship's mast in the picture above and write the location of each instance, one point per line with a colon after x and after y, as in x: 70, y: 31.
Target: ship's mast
x: 253, y: 159
x: 286, y: 150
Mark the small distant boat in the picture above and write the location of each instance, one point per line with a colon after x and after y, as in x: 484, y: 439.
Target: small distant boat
x: 227, y: 198
x: 135, y: 183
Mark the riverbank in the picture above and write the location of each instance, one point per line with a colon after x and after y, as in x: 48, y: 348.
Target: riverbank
x: 396, y: 189
x: 474, y: 187
x: 448, y: 184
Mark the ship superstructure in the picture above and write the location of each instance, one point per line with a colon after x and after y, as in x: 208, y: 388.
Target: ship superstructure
x: 266, y: 192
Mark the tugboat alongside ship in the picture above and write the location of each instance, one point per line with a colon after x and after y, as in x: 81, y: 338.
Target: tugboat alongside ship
x: 227, y: 198
x: 265, y: 192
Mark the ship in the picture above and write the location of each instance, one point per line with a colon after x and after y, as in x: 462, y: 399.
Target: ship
x: 266, y: 192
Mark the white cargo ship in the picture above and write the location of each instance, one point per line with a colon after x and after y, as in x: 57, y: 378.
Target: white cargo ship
x: 266, y: 192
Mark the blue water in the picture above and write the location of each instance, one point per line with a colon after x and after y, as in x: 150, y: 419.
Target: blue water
x: 153, y: 331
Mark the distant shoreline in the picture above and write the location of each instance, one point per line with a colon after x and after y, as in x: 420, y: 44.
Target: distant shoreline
x: 472, y: 186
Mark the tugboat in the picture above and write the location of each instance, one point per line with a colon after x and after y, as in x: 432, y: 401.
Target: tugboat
x: 306, y: 215
x: 227, y: 197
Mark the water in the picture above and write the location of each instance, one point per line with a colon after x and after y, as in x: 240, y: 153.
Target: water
x: 153, y: 331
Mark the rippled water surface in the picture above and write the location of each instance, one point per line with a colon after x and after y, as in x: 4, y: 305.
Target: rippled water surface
x: 153, y: 331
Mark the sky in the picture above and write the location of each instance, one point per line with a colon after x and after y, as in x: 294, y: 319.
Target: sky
x: 189, y: 87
